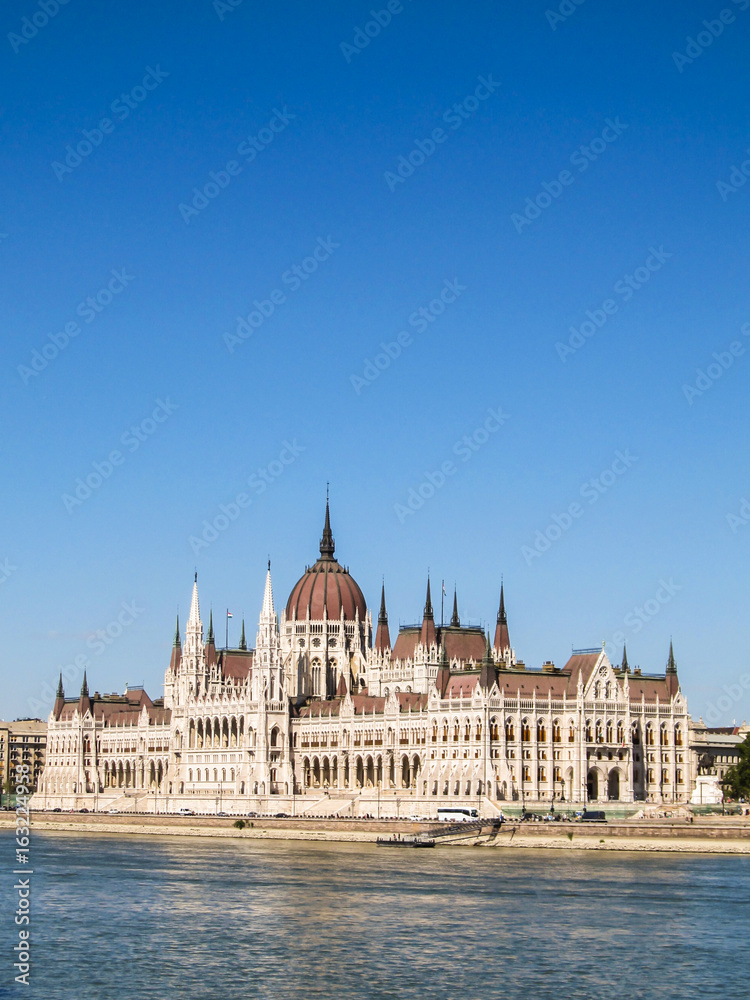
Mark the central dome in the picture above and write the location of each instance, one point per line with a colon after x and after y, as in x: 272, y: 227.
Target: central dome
x: 326, y: 589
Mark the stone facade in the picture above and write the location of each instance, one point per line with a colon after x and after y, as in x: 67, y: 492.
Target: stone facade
x: 321, y: 717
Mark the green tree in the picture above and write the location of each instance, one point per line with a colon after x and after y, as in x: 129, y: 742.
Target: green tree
x: 736, y: 781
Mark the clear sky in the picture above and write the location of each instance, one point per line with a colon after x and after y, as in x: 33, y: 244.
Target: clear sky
x: 214, y: 215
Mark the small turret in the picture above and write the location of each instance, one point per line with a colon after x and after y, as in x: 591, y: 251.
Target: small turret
x: 443, y: 673
x: 243, y: 640
x: 455, y: 620
x: 502, y: 637
x: 427, y: 635
x: 174, y: 663
x: 382, y: 636
x: 59, y: 698
x: 625, y: 666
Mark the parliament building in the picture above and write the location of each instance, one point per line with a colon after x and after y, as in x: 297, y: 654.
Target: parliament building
x: 328, y: 716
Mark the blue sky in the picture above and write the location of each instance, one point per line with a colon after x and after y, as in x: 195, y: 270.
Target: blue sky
x: 299, y: 130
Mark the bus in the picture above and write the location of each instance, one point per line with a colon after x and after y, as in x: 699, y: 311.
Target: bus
x: 458, y: 815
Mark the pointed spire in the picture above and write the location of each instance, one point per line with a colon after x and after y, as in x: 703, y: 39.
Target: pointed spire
x: 427, y: 636
x: 177, y: 633
x: 243, y: 640
x: 455, y: 620
x: 60, y: 691
x: 341, y: 689
x: 84, y: 686
x: 625, y: 665
x: 502, y: 636
x: 210, y: 638
x: 671, y: 665
x: 267, y: 610
x: 327, y: 545
x: 195, y: 611
x: 382, y: 636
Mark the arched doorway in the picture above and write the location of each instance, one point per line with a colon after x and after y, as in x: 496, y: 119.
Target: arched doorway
x: 614, y: 785
x: 592, y: 786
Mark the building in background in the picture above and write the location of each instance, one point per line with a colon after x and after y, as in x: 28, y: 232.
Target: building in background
x: 324, y: 716
x: 713, y: 751
x: 21, y: 742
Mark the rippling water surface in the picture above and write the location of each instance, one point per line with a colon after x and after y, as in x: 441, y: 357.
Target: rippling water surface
x: 171, y: 918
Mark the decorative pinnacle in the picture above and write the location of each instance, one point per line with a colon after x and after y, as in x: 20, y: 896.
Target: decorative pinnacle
x: 625, y: 664
x: 84, y: 686
x: 60, y: 692
x: 455, y: 620
x: 501, y: 615
x: 383, y: 616
x: 243, y: 641
x: 177, y: 632
x: 210, y: 638
x: 671, y: 665
x: 428, y: 601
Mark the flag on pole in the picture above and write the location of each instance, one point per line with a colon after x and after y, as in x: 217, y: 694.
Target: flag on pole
x: 229, y: 614
x: 444, y: 588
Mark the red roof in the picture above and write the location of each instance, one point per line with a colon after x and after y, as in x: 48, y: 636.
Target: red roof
x: 326, y: 589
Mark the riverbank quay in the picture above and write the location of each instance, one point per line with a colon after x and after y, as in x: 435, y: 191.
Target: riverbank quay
x: 728, y: 835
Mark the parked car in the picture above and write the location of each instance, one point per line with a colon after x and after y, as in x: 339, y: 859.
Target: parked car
x: 184, y: 811
x: 113, y: 812
x: 57, y: 809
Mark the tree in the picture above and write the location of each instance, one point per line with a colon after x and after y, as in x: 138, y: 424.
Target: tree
x: 736, y: 781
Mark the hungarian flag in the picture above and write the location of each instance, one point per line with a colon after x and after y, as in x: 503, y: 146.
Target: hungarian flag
x: 444, y: 588
x: 229, y: 614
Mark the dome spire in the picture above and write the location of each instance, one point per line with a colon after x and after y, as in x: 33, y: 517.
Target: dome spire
x: 327, y: 545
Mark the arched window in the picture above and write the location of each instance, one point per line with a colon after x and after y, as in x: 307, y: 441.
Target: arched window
x: 541, y: 731
x: 525, y: 731
x: 510, y: 730
x: 556, y: 733
x: 664, y: 735
x: 620, y: 733
x: 599, y: 733
x: 572, y: 733
x: 455, y: 732
x: 609, y: 732
x: 588, y: 731
x: 678, y: 738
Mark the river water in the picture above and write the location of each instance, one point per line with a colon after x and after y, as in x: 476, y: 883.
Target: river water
x: 132, y: 918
